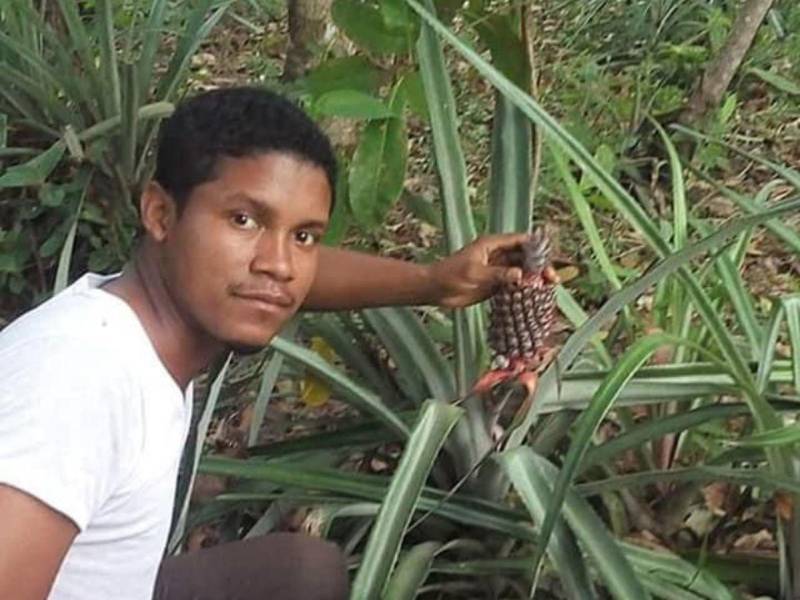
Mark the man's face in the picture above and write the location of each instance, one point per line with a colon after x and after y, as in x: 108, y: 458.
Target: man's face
x: 242, y: 255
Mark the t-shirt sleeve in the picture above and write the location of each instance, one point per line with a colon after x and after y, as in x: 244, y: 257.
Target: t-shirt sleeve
x: 62, y: 424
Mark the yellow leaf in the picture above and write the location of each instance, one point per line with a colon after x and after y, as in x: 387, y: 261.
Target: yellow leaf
x: 313, y: 391
x: 568, y: 273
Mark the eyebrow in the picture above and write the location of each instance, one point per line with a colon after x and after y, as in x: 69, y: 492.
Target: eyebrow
x: 264, y: 210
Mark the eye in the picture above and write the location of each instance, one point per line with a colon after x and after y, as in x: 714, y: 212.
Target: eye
x: 243, y: 221
x: 306, y: 238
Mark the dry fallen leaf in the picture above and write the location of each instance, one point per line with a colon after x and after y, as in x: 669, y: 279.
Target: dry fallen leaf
x: 784, y: 505
x: 760, y: 540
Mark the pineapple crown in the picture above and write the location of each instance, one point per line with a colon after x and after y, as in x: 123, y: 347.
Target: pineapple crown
x: 536, y: 252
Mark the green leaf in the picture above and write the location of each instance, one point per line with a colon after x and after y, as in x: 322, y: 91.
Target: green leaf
x: 584, y: 213
x: 413, y: 351
x: 622, y: 201
x: 415, y: 95
x: 462, y: 509
x: 411, y: 572
x: 435, y: 422
x: 510, y: 207
x: 192, y: 453
x: 509, y: 54
x: 623, y: 371
x: 458, y: 223
x: 364, y: 24
x: 350, y: 391
x: 760, y: 478
x: 36, y: 170
x: 378, y: 169
x: 533, y: 477
x: 547, y: 390
x: 350, y: 72
x: 397, y: 16
x: 777, y: 81
x: 352, y: 104
x: 65, y: 258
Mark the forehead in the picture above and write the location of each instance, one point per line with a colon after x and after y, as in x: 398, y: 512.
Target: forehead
x: 272, y: 178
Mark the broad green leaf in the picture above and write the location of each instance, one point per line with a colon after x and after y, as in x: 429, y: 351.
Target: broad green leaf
x: 378, y: 169
x: 415, y: 95
x: 353, y: 104
x: 397, y: 16
x: 435, y: 422
x: 150, y: 36
x: 509, y: 54
x: 562, y: 548
x: 349, y: 72
x: 364, y: 24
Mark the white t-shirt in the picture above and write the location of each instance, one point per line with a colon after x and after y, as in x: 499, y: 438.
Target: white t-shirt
x: 93, y: 424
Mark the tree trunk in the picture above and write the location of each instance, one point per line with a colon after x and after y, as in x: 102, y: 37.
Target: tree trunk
x: 720, y: 71
x: 308, y: 21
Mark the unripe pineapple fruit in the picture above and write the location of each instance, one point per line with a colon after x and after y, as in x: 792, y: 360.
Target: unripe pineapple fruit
x: 522, y: 314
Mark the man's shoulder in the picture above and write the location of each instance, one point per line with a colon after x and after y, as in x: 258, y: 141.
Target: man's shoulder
x: 75, y: 326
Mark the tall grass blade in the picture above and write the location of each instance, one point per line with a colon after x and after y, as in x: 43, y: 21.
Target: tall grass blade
x: 435, y: 422
x: 510, y: 206
x: 622, y: 372
x: 350, y: 391
x: 411, y: 572
x: 191, y: 457
x: 548, y: 386
x: 533, y: 477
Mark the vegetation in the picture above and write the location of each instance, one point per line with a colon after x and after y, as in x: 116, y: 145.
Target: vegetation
x: 658, y: 456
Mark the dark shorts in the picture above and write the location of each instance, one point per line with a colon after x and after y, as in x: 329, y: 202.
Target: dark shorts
x: 280, y: 566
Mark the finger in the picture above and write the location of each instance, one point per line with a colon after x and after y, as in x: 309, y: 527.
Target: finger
x: 551, y: 275
x: 506, y: 275
x: 502, y: 241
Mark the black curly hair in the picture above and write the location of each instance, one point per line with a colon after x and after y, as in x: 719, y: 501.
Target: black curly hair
x: 234, y: 122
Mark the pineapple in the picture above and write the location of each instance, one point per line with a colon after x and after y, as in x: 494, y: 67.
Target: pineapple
x: 522, y: 315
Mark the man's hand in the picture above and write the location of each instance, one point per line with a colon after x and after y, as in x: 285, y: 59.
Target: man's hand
x: 474, y: 272
x: 348, y: 280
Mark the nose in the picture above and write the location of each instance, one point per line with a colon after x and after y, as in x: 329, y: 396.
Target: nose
x: 273, y: 256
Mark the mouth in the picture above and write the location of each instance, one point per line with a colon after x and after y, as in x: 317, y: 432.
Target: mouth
x: 270, y: 300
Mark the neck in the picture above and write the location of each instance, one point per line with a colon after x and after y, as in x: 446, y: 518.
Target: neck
x: 184, y: 349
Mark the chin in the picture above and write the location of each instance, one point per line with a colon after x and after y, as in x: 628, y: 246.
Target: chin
x: 244, y: 349
x: 249, y: 344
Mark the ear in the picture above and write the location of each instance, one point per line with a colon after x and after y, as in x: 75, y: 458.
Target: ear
x: 158, y: 211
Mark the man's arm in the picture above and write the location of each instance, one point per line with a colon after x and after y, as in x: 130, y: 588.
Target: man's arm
x: 351, y: 280
x: 33, y: 541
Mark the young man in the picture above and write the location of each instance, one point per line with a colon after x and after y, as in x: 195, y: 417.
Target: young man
x: 95, y: 384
